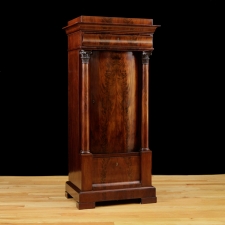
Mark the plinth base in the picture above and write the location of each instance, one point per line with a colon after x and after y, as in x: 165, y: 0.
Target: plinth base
x: 87, y: 199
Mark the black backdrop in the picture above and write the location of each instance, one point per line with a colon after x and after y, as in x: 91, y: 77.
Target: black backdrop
x: 186, y: 91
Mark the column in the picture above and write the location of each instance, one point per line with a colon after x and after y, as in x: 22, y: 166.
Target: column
x: 145, y: 102
x: 146, y: 154
x: 84, y: 102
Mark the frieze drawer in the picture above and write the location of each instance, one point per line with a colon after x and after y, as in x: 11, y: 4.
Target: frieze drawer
x: 103, y: 40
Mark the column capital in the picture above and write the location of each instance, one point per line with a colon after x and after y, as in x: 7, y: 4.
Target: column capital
x: 85, y: 56
x: 146, y: 57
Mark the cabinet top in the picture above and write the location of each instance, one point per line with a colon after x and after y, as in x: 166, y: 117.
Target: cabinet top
x: 110, y: 20
x: 110, y: 25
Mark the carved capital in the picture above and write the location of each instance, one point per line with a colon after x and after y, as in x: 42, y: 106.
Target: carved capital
x: 85, y: 56
x: 146, y: 57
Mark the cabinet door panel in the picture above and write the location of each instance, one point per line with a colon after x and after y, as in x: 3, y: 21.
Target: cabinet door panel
x: 114, y: 102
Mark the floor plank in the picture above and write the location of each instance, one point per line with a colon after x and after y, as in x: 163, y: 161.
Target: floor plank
x: 182, y: 200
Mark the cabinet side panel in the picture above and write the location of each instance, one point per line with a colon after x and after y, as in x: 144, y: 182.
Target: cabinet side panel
x: 114, y: 102
x: 74, y: 40
x: 73, y: 118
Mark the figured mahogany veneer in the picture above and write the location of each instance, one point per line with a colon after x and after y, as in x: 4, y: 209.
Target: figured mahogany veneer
x: 108, y: 109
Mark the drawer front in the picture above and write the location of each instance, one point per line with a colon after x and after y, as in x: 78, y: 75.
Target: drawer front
x: 110, y: 40
x: 116, y: 169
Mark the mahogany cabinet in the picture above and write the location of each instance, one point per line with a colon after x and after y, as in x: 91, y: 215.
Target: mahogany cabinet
x: 108, y: 110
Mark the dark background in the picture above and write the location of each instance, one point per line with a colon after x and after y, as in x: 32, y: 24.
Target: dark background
x: 187, y: 84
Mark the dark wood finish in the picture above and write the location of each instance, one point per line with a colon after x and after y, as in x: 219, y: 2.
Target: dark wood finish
x: 114, y: 118
x: 84, y: 102
x: 148, y: 200
x: 146, y: 168
x: 145, y: 102
x: 142, y: 193
x: 85, y: 205
x: 108, y: 104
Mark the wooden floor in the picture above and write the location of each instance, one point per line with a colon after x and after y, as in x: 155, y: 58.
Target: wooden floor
x: 182, y: 200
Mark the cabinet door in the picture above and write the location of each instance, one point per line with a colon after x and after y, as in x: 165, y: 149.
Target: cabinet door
x: 114, y: 102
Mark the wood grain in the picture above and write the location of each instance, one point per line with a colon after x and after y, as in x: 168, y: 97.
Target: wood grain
x: 193, y: 199
x: 74, y: 145
x: 114, y: 102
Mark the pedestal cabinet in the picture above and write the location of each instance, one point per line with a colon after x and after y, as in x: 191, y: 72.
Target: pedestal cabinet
x: 108, y: 110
